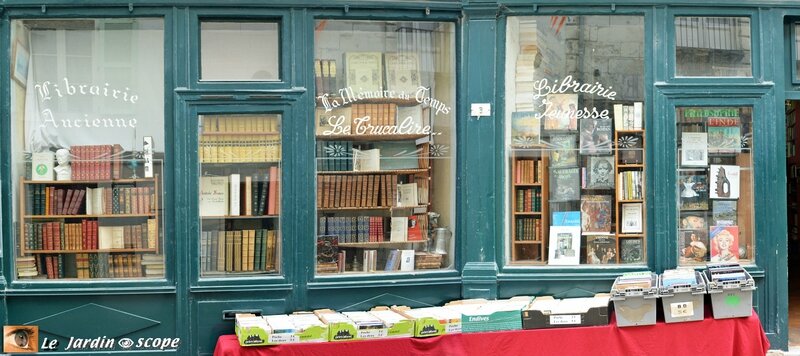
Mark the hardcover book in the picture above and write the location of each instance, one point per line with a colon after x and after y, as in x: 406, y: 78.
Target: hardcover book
x: 561, y: 112
x: 631, y: 218
x: 695, y: 245
x: 563, y: 151
x: 596, y: 214
x: 601, y: 249
x: 327, y: 249
x: 566, y: 218
x: 600, y: 172
x: 724, y: 212
x: 525, y: 129
x: 402, y: 72
x: 366, y: 160
x: 565, y: 243
x: 565, y: 184
x: 364, y: 71
x: 213, y: 196
x: 595, y: 136
x: 693, y: 190
x: 694, y: 149
x: 724, y: 243
x: 42, y: 166
x: 334, y: 122
x: 631, y: 250
x: 694, y: 220
x: 724, y: 135
x: 724, y: 182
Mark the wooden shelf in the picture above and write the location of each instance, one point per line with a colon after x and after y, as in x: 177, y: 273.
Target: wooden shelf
x: 624, y: 236
x: 43, y: 217
x: 631, y: 131
x: 373, y: 208
x: 518, y: 185
x: 88, y: 182
x: 253, y: 133
x: 393, y: 171
x: 399, y: 102
x: 377, y: 244
x: 631, y: 201
x: 526, y: 252
x: 528, y: 213
x: 369, y: 137
x: 630, y: 165
x: 113, y: 250
x: 527, y: 242
x: 233, y: 217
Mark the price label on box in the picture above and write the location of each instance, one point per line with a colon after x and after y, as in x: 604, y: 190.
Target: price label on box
x: 678, y: 310
x: 565, y: 319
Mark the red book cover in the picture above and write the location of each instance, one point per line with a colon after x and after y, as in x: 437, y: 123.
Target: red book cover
x: 117, y: 162
x: 84, y: 245
x: 67, y: 208
x: 50, y: 273
x: 95, y: 170
x: 77, y: 200
x: 57, y: 236
x: 94, y: 235
x: 48, y: 236
x: 79, y: 168
x: 60, y: 201
x: 273, y: 190
x: 414, y: 229
x: 76, y: 162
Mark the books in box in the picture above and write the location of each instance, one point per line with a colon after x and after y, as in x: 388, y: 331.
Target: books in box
x: 549, y: 312
x: 351, y: 325
x: 397, y: 325
x: 252, y: 330
x: 493, y: 315
x: 432, y: 321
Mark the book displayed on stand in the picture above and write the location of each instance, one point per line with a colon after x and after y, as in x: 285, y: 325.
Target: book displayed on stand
x: 92, y: 222
x: 239, y: 194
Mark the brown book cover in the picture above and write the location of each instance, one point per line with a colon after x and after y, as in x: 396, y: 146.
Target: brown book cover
x: 362, y: 191
x: 237, y: 251
x: 117, y: 165
x: 229, y: 261
x: 245, y: 236
x: 251, y: 250
x: 221, y: 254
x: 274, y: 178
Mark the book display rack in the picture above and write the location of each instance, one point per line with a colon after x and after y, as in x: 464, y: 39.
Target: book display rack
x: 240, y: 158
x: 529, y: 196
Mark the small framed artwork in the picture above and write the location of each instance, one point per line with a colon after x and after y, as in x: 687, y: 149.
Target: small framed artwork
x: 19, y: 68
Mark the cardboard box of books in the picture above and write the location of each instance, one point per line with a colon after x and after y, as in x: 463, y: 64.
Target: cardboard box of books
x: 252, y: 330
x: 493, y: 315
x: 634, y: 295
x: 549, y: 312
x: 432, y: 321
x: 731, y: 289
x: 682, y: 292
x: 397, y: 325
x: 358, y: 325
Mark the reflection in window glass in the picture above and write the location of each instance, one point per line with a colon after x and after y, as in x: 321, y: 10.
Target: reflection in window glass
x: 713, y: 46
x: 797, y: 52
x: 239, y: 198
x: 575, y: 140
x: 243, y: 51
x: 715, y: 184
x: 88, y: 135
x: 385, y: 146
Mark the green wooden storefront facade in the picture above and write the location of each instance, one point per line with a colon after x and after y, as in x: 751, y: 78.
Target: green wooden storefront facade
x: 185, y: 306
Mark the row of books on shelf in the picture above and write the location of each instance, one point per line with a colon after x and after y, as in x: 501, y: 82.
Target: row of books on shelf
x: 49, y: 200
x: 366, y: 71
x: 239, y: 149
x: 345, y: 156
x: 349, y: 229
x: 252, y: 250
x: 528, y: 171
x: 96, y: 162
x: 528, y: 229
x: 88, y: 235
x: 630, y: 185
x: 529, y: 199
x: 255, y: 195
x: 86, y: 265
x: 628, y: 117
x: 372, y: 190
x: 241, y: 123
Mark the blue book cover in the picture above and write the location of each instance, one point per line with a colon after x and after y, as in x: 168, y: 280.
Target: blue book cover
x: 566, y: 218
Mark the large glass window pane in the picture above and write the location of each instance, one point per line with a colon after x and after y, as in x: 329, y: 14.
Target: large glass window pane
x: 575, y: 140
x: 385, y: 156
x: 715, y: 184
x: 796, y: 54
x: 239, y: 200
x: 241, y: 51
x: 87, y: 114
x: 713, y: 46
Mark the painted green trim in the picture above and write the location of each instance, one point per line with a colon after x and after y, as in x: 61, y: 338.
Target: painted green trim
x: 311, y: 4
x: 270, y: 287
x: 90, y: 291
x: 350, y: 284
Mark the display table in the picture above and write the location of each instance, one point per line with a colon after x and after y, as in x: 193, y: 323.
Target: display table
x: 739, y: 336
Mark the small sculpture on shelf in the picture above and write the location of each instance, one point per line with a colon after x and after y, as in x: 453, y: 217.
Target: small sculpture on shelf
x: 63, y: 169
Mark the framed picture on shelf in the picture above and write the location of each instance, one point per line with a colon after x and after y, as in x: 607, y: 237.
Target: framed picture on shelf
x: 565, y: 244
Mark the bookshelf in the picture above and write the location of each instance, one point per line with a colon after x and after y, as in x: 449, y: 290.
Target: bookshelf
x: 529, y: 197
x: 81, y: 229
x: 793, y: 170
x: 239, y: 197
x: 629, y: 172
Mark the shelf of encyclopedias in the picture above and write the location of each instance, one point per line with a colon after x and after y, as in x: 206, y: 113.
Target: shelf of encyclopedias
x: 529, y: 194
x: 240, y: 157
x: 98, y: 224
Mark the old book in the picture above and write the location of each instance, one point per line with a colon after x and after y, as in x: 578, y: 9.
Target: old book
x: 42, y: 166
x: 402, y: 72
x: 694, y: 247
x: 407, y: 194
x: 234, y: 195
x: 407, y: 260
x: 366, y: 160
x: 631, y: 218
x: 415, y: 231
x: 724, y: 212
x: 399, y: 230
x: 596, y: 214
x: 213, y: 196
x: 364, y: 71
x: 274, y: 190
x: 222, y: 255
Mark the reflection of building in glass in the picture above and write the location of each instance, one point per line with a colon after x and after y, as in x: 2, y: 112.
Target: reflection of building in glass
x: 715, y: 46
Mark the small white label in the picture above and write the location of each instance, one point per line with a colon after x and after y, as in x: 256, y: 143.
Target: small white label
x: 283, y: 338
x: 679, y: 310
x: 372, y: 333
x: 565, y: 319
x: 452, y: 328
x: 483, y: 109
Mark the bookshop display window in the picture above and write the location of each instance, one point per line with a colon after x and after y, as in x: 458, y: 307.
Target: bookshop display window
x: 715, y: 185
x: 713, y: 46
x: 87, y: 121
x: 575, y: 140
x: 240, y: 176
x: 385, y: 135
x: 796, y: 52
x: 240, y: 51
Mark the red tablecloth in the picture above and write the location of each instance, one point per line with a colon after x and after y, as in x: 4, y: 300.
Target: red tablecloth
x: 738, y: 336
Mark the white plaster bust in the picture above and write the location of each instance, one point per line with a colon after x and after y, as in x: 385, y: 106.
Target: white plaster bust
x: 63, y: 169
